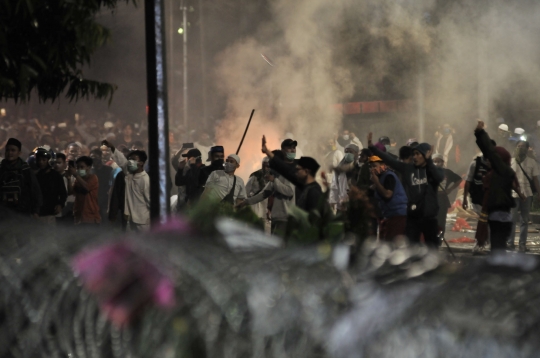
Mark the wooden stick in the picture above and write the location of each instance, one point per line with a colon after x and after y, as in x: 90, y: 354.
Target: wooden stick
x: 245, y: 132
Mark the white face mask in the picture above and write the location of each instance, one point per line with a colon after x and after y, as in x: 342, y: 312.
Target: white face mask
x: 132, y: 166
x: 348, y: 158
x: 346, y: 137
x: 229, y: 167
x: 81, y: 172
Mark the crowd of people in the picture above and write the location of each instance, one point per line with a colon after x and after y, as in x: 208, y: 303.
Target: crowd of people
x: 99, y: 177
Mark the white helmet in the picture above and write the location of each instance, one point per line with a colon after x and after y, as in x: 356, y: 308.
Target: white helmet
x: 519, y: 131
x: 503, y: 127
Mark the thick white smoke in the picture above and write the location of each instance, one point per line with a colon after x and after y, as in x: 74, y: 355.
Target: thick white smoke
x: 326, y: 51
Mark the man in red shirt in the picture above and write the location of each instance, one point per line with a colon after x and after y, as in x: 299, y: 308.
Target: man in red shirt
x: 86, y: 207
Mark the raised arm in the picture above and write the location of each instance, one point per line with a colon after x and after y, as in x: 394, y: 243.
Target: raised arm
x: 288, y: 171
x: 488, y: 150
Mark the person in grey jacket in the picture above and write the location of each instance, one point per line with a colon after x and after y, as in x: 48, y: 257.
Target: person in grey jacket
x: 421, y: 180
x: 283, y: 192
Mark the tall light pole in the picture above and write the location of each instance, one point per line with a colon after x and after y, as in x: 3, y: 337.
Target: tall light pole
x: 184, y: 9
x: 158, y: 125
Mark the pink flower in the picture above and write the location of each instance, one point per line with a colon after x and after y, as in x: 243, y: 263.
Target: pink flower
x: 123, y: 281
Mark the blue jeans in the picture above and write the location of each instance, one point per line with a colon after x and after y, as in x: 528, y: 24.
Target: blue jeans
x: 524, y: 207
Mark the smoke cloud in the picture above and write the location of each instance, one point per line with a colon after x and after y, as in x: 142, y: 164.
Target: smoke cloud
x: 466, y: 56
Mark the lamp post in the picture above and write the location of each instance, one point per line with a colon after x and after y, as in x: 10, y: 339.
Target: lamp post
x: 184, y: 9
x: 158, y: 127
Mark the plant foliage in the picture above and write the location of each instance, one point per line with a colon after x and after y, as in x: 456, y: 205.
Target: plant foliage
x: 44, y: 45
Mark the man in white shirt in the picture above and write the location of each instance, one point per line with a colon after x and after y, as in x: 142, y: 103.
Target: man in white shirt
x: 526, y: 170
x: 224, y: 185
x: 137, y: 198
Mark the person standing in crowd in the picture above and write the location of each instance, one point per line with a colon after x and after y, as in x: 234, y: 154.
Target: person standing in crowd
x: 188, y: 177
x: 282, y: 192
x: 118, y: 200
x: 347, y: 170
x: 526, y: 170
x: 534, y: 141
x: 65, y: 218
x: 309, y: 193
x: 224, y: 185
x: 333, y: 155
x: 217, y: 160
x: 128, y: 138
x: 256, y: 183
x: 53, y: 188
x: 105, y: 178
x: 347, y: 138
x: 450, y: 183
x: 180, y: 165
x: 445, y: 142
x: 86, y: 187
x: 19, y: 188
x: 391, y: 198
x: 72, y: 151
x: 498, y: 184
x: 421, y: 180
x: 137, y: 187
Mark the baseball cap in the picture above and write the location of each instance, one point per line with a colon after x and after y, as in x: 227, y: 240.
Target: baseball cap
x: 289, y: 143
x: 309, y: 163
x: 374, y: 158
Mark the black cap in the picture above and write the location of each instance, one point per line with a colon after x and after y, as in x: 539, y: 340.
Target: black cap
x: 15, y: 142
x: 289, y: 143
x: 192, y: 153
x: 309, y: 163
x: 217, y: 149
x: 42, y: 152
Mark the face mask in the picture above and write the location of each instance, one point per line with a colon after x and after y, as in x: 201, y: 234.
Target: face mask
x: 346, y: 137
x: 290, y: 156
x: 387, y: 147
x: 229, y: 167
x: 132, y: 166
x: 81, y: 172
x: 520, y: 153
x: 348, y: 158
x: 446, y: 131
x: 218, y: 163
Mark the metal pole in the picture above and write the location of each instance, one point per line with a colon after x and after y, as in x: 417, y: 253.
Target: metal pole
x: 170, y: 63
x: 203, y: 62
x: 158, y: 130
x: 185, y: 74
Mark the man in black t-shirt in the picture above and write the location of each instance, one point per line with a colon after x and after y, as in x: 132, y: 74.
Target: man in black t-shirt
x: 450, y: 183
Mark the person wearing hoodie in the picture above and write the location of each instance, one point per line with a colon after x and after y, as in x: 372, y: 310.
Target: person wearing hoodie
x: 19, y: 188
x: 421, y: 180
x: 498, y: 184
x: 348, y: 169
x: 282, y: 191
